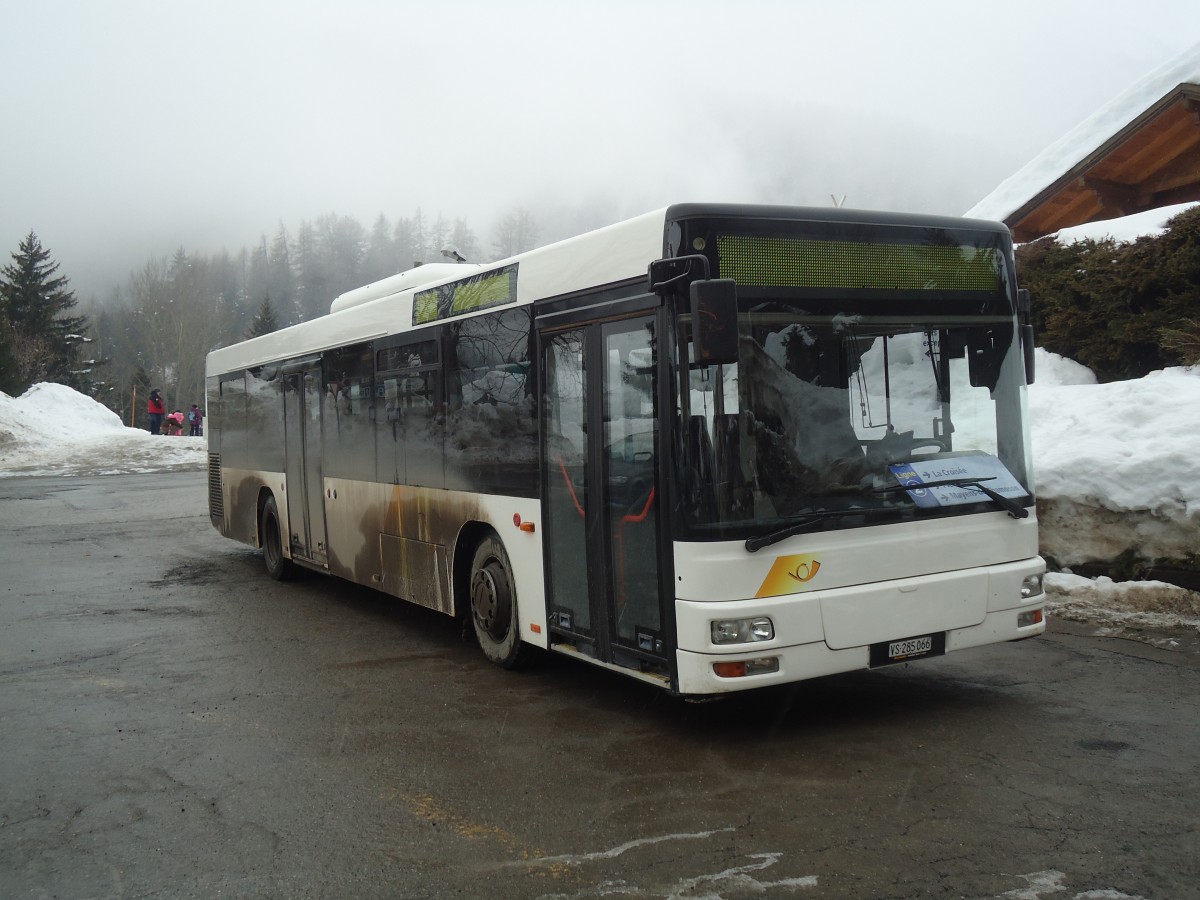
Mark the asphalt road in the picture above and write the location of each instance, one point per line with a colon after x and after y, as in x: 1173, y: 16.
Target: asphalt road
x: 175, y: 724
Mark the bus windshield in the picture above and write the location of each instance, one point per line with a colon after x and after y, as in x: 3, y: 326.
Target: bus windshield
x: 833, y: 405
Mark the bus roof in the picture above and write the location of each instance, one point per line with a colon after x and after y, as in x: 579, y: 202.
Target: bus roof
x: 606, y: 256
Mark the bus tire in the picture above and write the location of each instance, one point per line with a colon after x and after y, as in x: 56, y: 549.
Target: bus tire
x: 278, y: 566
x: 493, y: 601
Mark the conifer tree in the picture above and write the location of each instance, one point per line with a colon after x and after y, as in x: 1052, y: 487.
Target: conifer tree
x: 264, y: 320
x: 45, y: 339
x: 10, y: 378
x: 1121, y: 309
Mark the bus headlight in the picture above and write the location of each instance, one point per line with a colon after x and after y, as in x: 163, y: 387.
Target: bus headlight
x: 1031, y: 586
x: 742, y: 631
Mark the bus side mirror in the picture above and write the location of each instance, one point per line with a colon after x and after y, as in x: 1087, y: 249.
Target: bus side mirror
x: 1027, y: 350
x: 1025, y: 318
x: 984, y: 355
x: 715, y: 321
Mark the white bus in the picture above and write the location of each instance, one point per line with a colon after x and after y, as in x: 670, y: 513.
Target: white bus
x: 715, y: 447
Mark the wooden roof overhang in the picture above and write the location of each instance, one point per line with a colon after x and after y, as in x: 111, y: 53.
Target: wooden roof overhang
x: 1153, y: 161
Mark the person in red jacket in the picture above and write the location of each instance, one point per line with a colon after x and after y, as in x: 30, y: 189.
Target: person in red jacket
x: 155, y: 409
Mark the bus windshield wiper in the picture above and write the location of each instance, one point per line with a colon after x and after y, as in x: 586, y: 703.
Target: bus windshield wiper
x: 1012, y: 507
x: 755, y: 544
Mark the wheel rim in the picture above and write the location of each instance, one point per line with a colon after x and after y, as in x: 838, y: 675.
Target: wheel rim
x: 490, y: 601
x: 271, y: 546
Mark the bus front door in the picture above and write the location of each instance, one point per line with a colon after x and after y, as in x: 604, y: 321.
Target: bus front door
x: 305, y: 483
x: 601, y: 509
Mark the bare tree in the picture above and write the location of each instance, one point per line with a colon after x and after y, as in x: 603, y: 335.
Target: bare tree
x: 515, y: 233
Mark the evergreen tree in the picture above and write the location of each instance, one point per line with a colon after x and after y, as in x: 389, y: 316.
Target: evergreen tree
x: 1123, y: 310
x: 341, y: 244
x: 405, y: 245
x: 283, y: 281
x: 44, y: 340
x: 258, y: 270
x: 139, y: 392
x: 380, y: 259
x: 10, y: 376
x: 264, y: 321
x: 312, y: 274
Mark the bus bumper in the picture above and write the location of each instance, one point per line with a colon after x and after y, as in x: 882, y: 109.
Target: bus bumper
x: 812, y: 631
x: 698, y: 672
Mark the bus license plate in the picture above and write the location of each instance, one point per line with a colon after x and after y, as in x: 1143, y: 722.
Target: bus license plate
x: 887, y: 653
x: 912, y: 647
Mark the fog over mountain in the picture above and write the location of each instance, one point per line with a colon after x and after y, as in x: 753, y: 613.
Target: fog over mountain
x: 136, y: 127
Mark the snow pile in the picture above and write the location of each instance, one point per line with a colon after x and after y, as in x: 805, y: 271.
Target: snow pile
x: 1053, y: 369
x: 54, y: 430
x: 1149, y: 604
x: 1117, y: 475
x: 1122, y: 491
x: 1129, y: 445
x: 40, y: 412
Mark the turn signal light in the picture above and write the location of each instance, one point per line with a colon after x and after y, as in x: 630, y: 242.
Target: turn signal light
x: 1032, y: 617
x: 743, y: 667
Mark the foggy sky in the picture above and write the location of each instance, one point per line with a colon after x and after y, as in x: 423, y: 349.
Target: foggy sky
x: 133, y: 128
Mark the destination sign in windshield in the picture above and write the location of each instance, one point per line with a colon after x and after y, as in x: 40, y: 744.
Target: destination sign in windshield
x: 962, y: 469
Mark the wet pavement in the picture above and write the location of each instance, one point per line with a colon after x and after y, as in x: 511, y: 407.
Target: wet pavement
x: 175, y: 724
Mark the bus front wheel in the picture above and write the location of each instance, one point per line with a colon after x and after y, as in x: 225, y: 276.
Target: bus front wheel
x: 279, y: 566
x: 494, y: 605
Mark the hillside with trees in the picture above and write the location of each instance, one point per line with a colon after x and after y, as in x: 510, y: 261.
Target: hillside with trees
x: 156, y: 330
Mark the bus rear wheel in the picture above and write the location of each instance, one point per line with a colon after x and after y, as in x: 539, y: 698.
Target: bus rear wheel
x: 278, y: 566
x: 493, y: 601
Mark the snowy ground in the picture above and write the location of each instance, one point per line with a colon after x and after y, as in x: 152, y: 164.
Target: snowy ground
x: 1114, y: 462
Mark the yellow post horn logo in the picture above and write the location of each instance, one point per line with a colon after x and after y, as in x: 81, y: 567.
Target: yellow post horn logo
x: 788, y: 575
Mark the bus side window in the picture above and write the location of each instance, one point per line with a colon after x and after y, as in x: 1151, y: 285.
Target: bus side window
x: 345, y: 423
x: 491, y: 425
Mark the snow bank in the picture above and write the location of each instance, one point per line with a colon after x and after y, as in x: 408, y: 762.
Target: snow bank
x: 42, y: 413
x: 1116, y: 469
x: 1053, y: 369
x: 1129, y: 445
x: 1152, y: 604
x: 54, y: 430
